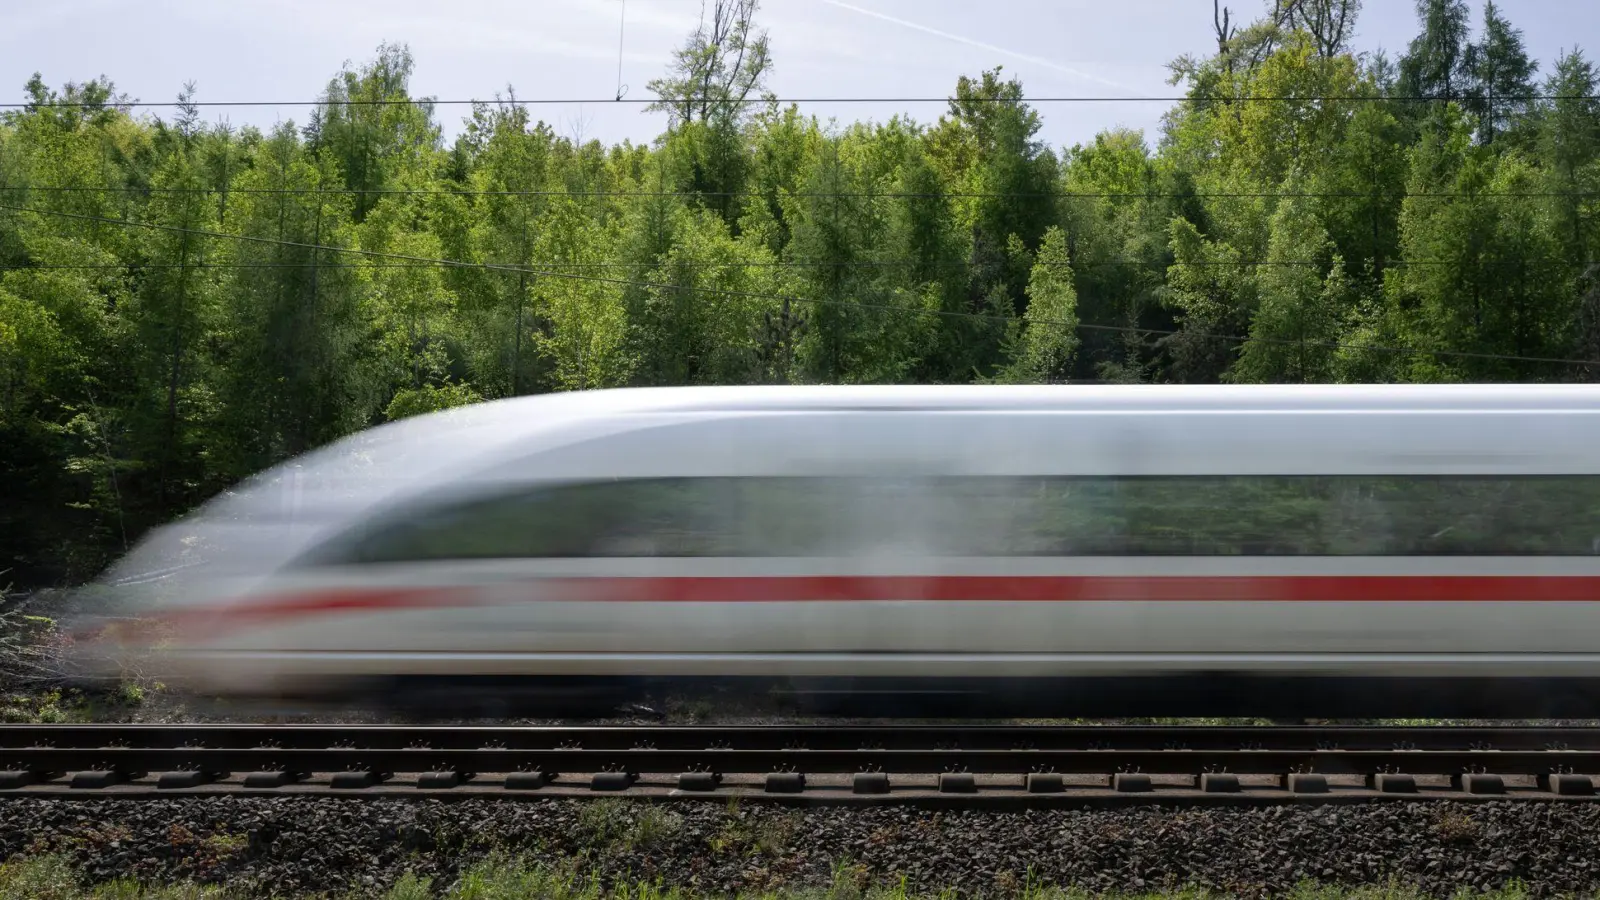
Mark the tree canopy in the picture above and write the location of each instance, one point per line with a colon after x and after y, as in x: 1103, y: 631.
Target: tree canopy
x: 183, y: 304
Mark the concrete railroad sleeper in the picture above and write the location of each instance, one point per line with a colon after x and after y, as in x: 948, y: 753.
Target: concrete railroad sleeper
x: 960, y: 764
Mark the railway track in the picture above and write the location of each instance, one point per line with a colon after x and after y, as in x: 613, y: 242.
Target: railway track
x: 1091, y: 765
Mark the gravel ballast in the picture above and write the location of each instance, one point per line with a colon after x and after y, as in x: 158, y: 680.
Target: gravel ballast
x: 288, y: 846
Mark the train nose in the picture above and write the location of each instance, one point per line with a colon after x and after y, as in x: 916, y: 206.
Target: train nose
x: 132, y: 625
x: 101, y: 630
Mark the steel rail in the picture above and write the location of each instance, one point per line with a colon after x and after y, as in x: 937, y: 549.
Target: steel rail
x: 878, y: 761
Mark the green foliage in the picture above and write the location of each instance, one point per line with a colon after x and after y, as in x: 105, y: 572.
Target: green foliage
x: 751, y: 834
x: 39, y: 878
x: 1302, y: 308
x: 429, y: 398
x: 504, y: 877
x: 55, y: 878
x: 183, y: 304
x: 1500, y: 76
x: 410, y: 886
x: 1050, y: 335
x: 1435, y: 63
x: 613, y: 824
x: 1499, y: 284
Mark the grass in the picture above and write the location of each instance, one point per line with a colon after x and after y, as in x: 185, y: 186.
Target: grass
x: 767, y: 836
x: 506, y: 877
x: 54, y: 878
x: 612, y: 824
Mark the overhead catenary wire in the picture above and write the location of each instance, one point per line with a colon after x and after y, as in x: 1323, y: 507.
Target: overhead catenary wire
x: 815, y: 301
x: 757, y: 264
x: 859, y: 195
x: 114, y: 103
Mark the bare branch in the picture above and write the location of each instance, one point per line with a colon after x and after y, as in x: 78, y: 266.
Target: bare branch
x: 714, y: 74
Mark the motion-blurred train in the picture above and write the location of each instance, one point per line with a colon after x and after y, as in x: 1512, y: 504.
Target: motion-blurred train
x: 923, y: 551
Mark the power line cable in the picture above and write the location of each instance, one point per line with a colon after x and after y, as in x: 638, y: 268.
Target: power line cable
x: 761, y: 295
x: 601, y: 101
x: 766, y: 264
x: 861, y: 195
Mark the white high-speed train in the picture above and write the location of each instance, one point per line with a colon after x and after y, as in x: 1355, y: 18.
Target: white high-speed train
x: 1141, y: 550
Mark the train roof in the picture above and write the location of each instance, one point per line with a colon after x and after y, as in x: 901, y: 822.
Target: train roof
x: 437, y: 447
x: 1065, y: 397
x: 444, y: 441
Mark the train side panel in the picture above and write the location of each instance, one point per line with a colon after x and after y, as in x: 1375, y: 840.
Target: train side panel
x: 1344, y: 539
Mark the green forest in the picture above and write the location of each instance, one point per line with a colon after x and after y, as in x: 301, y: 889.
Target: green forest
x: 184, y: 303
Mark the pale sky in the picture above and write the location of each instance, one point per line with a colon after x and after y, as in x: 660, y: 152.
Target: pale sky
x: 276, y: 50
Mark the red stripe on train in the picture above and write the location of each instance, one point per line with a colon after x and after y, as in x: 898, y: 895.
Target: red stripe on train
x: 275, y: 607
x: 936, y: 589
x: 1075, y: 588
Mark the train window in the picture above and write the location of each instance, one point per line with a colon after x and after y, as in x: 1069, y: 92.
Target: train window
x: 998, y: 516
x: 663, y: 517
x: 1167, y: 516
x: 1318, y: 516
